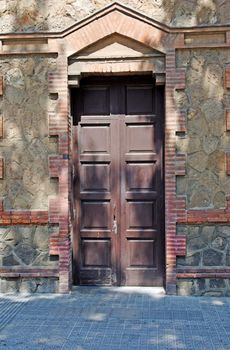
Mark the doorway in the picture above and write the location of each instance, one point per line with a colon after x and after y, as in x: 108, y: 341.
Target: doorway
x: 118, y: 185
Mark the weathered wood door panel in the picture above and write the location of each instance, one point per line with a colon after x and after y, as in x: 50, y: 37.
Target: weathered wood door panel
x: 118, y: 187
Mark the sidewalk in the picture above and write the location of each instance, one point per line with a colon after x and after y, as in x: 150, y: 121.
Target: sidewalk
x: 114, y: 318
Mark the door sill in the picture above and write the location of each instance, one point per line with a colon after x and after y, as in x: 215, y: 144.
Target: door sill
x: 150, y: 291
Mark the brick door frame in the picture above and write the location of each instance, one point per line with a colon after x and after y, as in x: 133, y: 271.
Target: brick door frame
x: 113, y: 19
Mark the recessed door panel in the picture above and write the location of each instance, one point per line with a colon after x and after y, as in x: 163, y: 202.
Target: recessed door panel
x: 140, y: 214
x: 95, y: 214
x: 139, y: 99
x: 140, y: 138
x: 95, y: 177
x: 141, y: 253
x: 95, y: 253
x: 141, y: 176
x: 95, y: 139
x: 95, y: 100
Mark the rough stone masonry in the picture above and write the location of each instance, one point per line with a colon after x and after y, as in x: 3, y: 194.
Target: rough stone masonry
x: 26, y: 143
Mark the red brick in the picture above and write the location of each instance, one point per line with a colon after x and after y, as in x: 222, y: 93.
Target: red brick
x: 1, y: 85
x: 227, y: 118
x: 227, y: 77
x: 227, y: 155
x: 1, y: 168
x: 1, y: 126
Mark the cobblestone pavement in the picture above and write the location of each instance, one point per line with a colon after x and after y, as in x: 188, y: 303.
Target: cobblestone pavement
x: 114, y: 318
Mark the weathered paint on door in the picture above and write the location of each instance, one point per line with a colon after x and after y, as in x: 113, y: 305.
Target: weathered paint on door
x: 118, y: 182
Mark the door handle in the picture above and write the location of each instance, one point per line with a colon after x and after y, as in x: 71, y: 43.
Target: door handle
x: 114, y: 228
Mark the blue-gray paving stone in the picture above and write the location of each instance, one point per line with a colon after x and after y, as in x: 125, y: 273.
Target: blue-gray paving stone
x: 112, y: 319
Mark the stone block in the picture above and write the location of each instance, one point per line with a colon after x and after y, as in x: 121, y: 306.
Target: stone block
x: 219, y: 243
x: 203, y: 287
x: 193, y: 260
x: 228, y: 257
x: 201, y: 284
x: 28, y: 285
x: 186, y: 287
x: 208, y: 233
x: 195, y: 244
x: 212, y: 257
x: 47, y: 285
x: 10, y: 260
x: 9, y: 285
x: 217, y: 283
x: 41, y: 238
x: 26, y: 253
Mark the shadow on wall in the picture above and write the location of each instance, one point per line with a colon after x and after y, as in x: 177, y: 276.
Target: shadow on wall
x: 25, y: 147
x: 206, y: 183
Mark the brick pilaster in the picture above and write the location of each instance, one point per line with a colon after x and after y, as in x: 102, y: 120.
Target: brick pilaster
x: 174, y: 165
x: 59, y: 167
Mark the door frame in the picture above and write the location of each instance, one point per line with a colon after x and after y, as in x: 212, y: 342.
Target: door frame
x: 119, y: 243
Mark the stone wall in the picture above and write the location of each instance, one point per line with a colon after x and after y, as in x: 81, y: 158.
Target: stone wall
x: 207, y: 246
x: 26, y: 246
x: 25, y: 145
x: 28, y: 285
x: 51, y: 15
x: 206, y: 183
x: 204, y: 287
x: 26, y: 185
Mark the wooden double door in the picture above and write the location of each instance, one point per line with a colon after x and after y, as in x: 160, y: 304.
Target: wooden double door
x: 118, y: 231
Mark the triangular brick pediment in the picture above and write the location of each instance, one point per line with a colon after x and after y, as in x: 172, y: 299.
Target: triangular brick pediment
x: 116, y: 45
x: 118, y: 21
